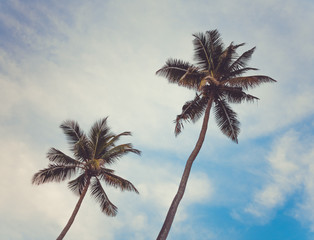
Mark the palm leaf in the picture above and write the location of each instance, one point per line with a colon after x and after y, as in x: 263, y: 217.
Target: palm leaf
x: 77, y: 139
x: 56, y: 156
x: 227, y: 120
x: 241, y: 62
x: 77, y: 185
x: 54, y: 173
x: 248, y: 82
x: 191, y: 111
x: 72, y: 131
x: 117, y: 182
x: 226, y: 58
x: 216, y: 47
x: 98, y: 135
x: 202, y: 56
x: 191, y: 79
x: 236, y: 73
x: 110, y: 141
x: 235, y: 95
x: 174, y: 70
x: 117, y: 152
x: 100, y: 195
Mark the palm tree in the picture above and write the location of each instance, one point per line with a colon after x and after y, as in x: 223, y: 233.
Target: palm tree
x: 217, y: 77
x: 92, y: 153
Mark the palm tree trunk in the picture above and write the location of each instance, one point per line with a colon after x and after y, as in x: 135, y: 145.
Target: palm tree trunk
x: 175, y: 203
x: 76, y: 209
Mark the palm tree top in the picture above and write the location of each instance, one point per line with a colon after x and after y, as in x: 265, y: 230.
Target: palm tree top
x: 218, y: 75
x: 92, y: 154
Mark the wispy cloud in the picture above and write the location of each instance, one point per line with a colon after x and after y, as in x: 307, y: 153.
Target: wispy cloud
x: 290, y: 172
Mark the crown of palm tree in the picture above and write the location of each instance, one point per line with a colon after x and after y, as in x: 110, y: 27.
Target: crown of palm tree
x: 217, y: 75
x: 92, y: 153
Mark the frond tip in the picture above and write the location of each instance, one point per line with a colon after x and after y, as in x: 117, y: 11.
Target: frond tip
x: 101, y: 197
x: 227, y: 120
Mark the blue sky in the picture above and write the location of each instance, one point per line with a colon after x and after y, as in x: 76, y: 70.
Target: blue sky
x: 87, y: 60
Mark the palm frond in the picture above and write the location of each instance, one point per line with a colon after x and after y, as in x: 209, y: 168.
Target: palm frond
x: 56, y: 156
x: 72, y: 131
x: 202, y: 56
x: 235, y: 95
x: 227, y: 120
x: 191, y: 111
x: 54, y: 173
x: 77, y: 185
x: 236, y: 73
x: 175, y: 69
x: 106, y: 170
x: 241, y: 62
x: 237, y: 45
x: 98, y: 135
x: 77, y: 139
x: 117, y: 152
x: 117, y: 182
x: 216, y: 47
x: 191, y: 79
x: 112, y: 139
x: 225, y: 59
x: 248, y: 82
x: 101, y: 197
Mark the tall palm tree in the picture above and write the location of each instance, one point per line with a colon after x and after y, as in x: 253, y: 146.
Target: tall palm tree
x: 217, y: 78
x: 92, y: 153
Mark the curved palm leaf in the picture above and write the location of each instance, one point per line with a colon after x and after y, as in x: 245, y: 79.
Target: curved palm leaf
x: 191, y: 110
x: 117, y: 182
x: 174, y: 70
x: 99, y: 135
x: 117, y: 152
x: 54, y: 173
x: 226, y: 58
x: 110, y: 142
x: 248, y: 82
x: 228, y: 75
x: 202, y: 55
x: 100, y: 195
x: 77, y: 185
x: 215, y: 46
x: 56, y: 156
x: 77, y: 139
x: 235, y: 95
x: 192, y: 78
x: 227, y: 120
x: 241, y: 62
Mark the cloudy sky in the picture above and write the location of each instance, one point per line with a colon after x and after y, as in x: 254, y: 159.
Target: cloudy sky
x: 85, y: 60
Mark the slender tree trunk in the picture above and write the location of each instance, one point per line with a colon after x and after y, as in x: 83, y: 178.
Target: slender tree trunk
x: 175, y: 202
x: 76, y: 209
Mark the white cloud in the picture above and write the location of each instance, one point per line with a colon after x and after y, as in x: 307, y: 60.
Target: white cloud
x: 290, y: 172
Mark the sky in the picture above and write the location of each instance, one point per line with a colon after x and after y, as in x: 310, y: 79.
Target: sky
x: 86, y: 60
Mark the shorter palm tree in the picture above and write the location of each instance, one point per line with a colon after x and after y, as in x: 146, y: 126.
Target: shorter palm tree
x: 92, y: 153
